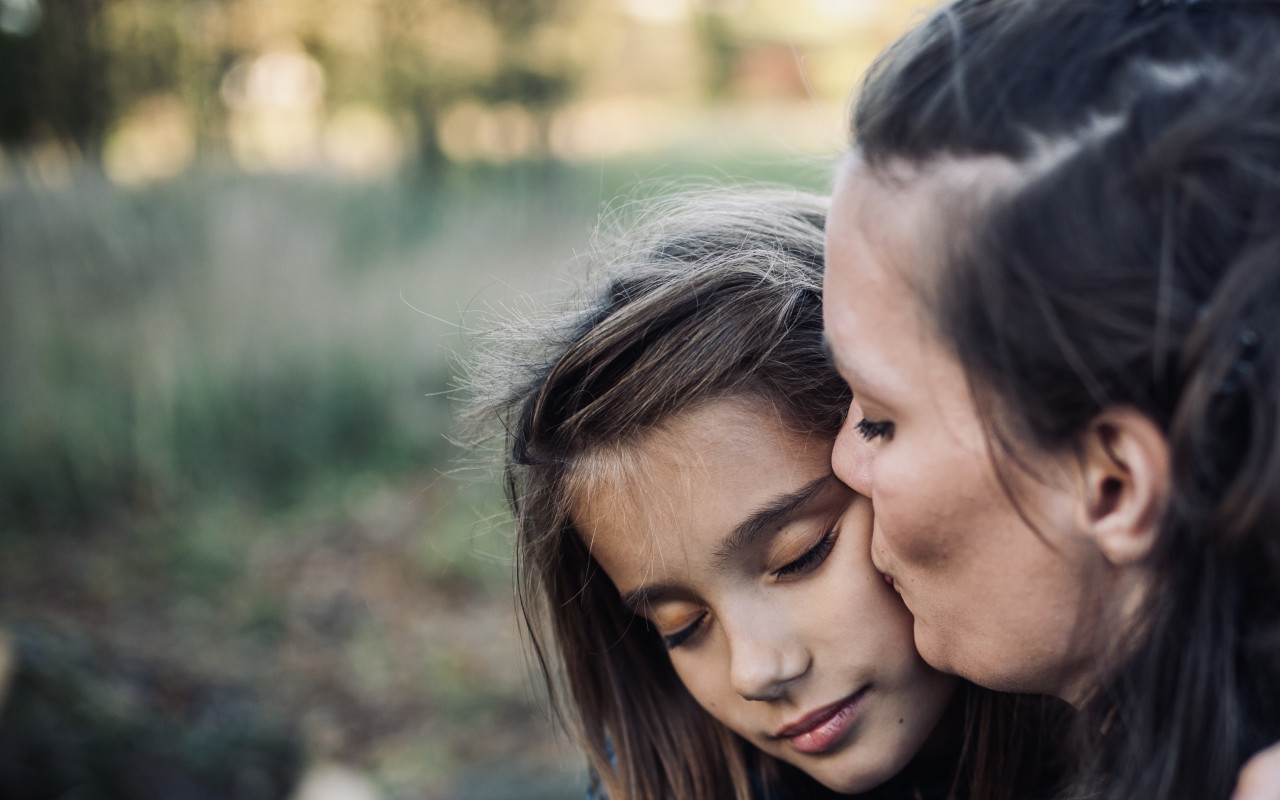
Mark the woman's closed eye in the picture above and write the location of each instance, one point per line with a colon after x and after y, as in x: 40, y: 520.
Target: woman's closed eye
x: 870, y: 429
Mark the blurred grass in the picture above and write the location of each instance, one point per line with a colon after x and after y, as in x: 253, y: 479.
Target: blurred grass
x: 226, y: 335
x: 224, y: 444
x: 208, y: 338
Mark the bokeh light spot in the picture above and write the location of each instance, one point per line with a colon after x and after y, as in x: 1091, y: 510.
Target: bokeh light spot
x: 20, y: 17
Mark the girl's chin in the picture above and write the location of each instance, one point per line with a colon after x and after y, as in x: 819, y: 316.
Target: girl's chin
x: 846, y: 782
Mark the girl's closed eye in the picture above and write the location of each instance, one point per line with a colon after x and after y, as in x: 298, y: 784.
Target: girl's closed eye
x: 810, y: 559
x: 678, y: 622
x: 685, y: 634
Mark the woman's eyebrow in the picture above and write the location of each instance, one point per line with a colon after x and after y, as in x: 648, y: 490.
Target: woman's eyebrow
x: 769, y: 516
x: 829, y: 352
x: 843, y: 367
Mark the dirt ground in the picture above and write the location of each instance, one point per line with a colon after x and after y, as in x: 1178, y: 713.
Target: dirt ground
x: 378, y: 632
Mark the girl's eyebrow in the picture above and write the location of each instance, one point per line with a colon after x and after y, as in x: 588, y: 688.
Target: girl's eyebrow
x: 744, y: 534
x: 769, y: 517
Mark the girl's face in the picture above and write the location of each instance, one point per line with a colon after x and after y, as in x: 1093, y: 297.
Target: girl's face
x: 729, y: 536
x: 998, y: 601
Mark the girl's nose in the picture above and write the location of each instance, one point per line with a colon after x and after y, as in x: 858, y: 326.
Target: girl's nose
x: 765, y: 657
x: 852, y: 456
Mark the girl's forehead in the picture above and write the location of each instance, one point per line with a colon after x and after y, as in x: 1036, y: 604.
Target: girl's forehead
x: 688, y: 442
x: 695, y: 475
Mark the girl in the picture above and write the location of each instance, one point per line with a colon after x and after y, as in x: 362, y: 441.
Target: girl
x: 1063, y: 348
x: 696, y: 583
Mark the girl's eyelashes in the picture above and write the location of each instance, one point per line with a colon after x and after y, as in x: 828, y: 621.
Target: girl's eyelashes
x: 869, y: 430
x: 810, y: 559
x: 805, y: 563
x: 674, y: 640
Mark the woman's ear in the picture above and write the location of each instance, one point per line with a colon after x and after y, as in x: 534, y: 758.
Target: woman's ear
x: 1126, y: 473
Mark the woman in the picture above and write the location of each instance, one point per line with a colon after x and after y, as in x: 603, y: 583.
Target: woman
x: 697, y: 584
x: 1053, y: 269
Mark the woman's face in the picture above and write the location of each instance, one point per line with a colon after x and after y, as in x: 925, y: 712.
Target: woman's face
x: 731, y: 538
x: 995, y: 600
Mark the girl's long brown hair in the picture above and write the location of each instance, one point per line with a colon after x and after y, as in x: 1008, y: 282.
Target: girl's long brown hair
x: 709, y: 296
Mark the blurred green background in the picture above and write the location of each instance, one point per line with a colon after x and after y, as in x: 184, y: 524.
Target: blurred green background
x: 243, y: 246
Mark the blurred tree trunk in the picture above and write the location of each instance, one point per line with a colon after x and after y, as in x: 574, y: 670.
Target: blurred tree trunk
x: 721, y: 49
x: 53, y: 82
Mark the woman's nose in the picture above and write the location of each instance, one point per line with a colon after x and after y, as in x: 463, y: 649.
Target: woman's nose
x: 852, y: 455
x: 765, y: 658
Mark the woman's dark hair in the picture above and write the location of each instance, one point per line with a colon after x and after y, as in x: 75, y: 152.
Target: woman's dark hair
x: 711, y: 296
x: 1133, y: 261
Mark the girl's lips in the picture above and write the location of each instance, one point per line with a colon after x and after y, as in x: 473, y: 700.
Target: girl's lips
x: 821, y: 730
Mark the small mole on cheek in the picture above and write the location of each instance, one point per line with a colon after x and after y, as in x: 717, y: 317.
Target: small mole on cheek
x: 899, y: 722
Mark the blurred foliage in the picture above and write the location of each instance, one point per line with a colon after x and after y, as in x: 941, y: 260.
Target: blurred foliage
x: 232, y: 337
x: 240, y: 243
x: 83, y: 64
x: 198, y: 340
x: 82, y: 724
x: 224, y: 455
x: 147, y: 88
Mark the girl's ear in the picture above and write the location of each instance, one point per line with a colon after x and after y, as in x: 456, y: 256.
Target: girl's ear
x: 1126, y: 474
